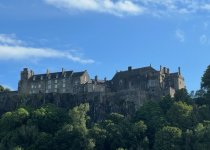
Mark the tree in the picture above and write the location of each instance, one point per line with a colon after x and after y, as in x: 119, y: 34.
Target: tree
x: 48, y: 118
x: 168, y: 138
x: 1, y: 88
x: 205, y: 84
x: 13, y: 120
x: 182, y: 95
x: 180, y: 115
x: 153, y: 116
x: 75, y: 134
x: 166, y: 103
x: 202, y: 136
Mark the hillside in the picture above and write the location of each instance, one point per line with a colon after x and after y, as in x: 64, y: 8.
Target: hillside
x: 66, y: 122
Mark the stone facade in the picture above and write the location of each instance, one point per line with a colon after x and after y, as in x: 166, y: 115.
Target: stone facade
x: 147, y: 80
x: 58, y: 82
x: 154, y: 82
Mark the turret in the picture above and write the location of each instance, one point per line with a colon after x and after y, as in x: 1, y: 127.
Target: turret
x: 129, y: 68
x: 179, y: 70
x: 26, y: 74
x: 96, y: 78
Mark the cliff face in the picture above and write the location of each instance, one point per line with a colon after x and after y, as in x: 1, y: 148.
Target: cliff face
x: 101, y: 104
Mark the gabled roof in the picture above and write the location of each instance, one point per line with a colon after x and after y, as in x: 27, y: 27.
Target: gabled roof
x: 134, y: 72
x: 55, y: 75
x: 78, y: 74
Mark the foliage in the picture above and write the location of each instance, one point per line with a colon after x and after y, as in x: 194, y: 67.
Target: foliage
x: 206, y: 79
x: 168, y: 138
x: 180, y: 115
x: 173, y: 123
x: 3, y: 89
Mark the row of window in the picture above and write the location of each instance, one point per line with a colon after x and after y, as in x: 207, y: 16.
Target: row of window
x: 48, y: 91
x: 49, y: 77
x: 49, y: 86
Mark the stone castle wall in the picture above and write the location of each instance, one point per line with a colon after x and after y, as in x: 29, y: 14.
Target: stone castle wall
x: 101, y: 104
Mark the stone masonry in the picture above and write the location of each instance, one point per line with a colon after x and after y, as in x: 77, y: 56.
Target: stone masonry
x: 153, y: 83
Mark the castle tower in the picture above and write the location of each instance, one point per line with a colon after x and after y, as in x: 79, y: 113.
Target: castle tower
x: 25, y: 75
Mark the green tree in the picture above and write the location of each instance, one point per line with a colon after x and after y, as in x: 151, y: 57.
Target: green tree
x: 182, y: 95
x: 168, y: 138
x: 75, y: 134
x: 166, y: 103
x: 12, y: 120
x: 48, y: 118
x: 180, y: 115
x: 153, y: 116
x: 205, y: 84
x: 1, y: 88
x: 202, y: 136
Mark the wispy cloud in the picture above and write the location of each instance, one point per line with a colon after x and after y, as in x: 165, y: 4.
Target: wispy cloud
x: 204, y: 39
x: 180, y: 35
x: 9, y: 39
x: 133, y: 7
x: 13, y: 49
x: 119, y: 7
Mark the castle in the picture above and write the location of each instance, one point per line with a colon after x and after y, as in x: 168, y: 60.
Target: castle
x: 147, y: 80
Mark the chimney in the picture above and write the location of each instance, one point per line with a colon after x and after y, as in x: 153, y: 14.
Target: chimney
x: 62, y: 70
x: 96, y: 78
x: 160, y: 68
x: 164, y: 69
x: 48, y: 72
x: 129, y: 68
x: 179, y: 70
x: 105, y: 79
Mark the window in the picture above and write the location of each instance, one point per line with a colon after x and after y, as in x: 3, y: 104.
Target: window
x: 47, y: 91
x: 49, y: 82
x: 39, y: 85
x: 34, y: 78
x: 64, y: 90
x: 56, y: 86
x: 55, y: 90
x: 32, y: 86
x: 64, y: 85
x: 120, y: 82
x: 41, y: 77
x: 76, y: 82
x: 49, y: 86
x: 56, y: 76
x: 56, y: 81
x: 64, y: 80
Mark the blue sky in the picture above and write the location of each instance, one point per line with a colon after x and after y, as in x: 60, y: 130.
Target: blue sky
x: 103, y: 36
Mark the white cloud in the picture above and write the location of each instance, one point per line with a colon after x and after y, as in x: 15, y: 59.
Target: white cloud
x: 6, y: 39
x: 119, y: 7
x: 133, y: 7
x: 204, y: 39
x: 12, y: 49
x: 205, y: 25
x: 180, y: 35
x: 206, y: 7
